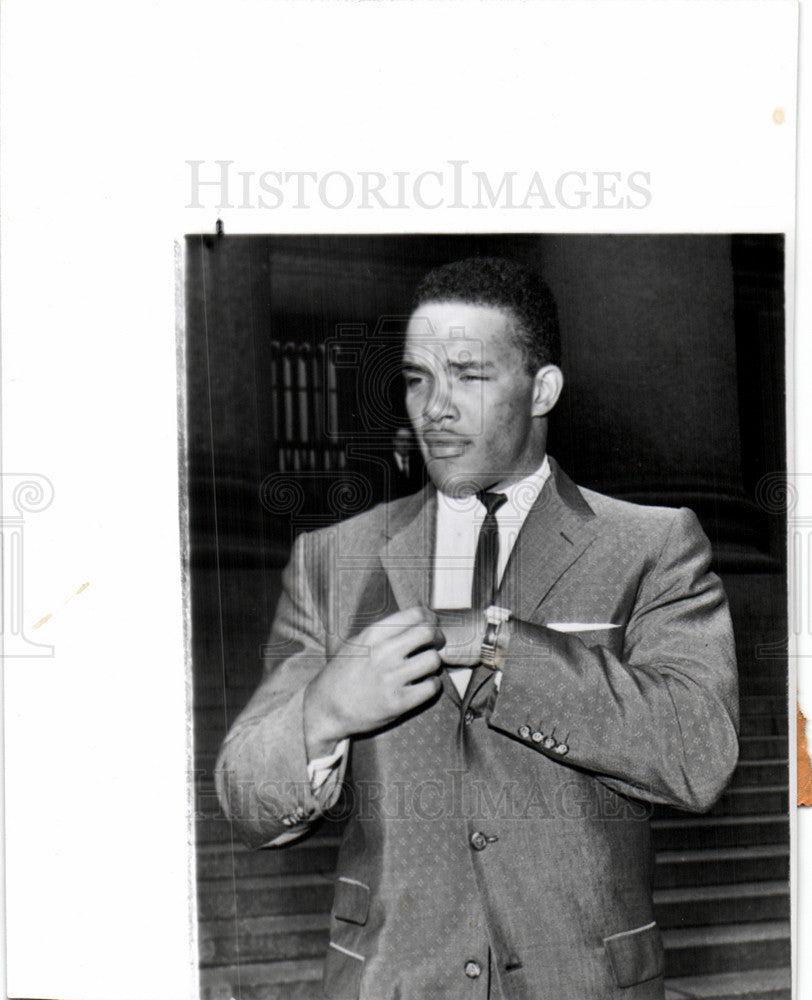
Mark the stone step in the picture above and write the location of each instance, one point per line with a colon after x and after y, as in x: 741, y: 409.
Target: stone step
x: 763, y: 684
x: 761, y: 772
x: 727, y: 948
x: 211, y: 829
x: 259, y: 896
x: 722, y: 904
x: 761, y: 747
x: 215, y: 828
x: 764, y: 725
x: 740, y: 801
x: 763, y: 704
x: 263, y: 939
x: 684, y: 832
x: 719, y: 866
x: 753, y: 984
x: 316, y: 854
x: 288, y: 980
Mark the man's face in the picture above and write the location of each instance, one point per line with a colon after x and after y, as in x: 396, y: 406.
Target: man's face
x: 469, y: 396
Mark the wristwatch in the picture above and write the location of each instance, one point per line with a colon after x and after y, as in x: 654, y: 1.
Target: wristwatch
x: 495, y: 618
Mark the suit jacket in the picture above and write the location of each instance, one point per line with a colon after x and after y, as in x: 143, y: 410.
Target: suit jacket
x: 504, y: 851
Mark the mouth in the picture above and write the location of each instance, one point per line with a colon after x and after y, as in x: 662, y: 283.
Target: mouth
x: 444, y: 445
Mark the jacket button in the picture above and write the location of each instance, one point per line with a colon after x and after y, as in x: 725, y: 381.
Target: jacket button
x: 561, y: 748
x: 478, y: 841
x: 537, y: 737
x: 473, y: 970
x: 549, y: 743
x: 524, y: 732
x: 469, y: 717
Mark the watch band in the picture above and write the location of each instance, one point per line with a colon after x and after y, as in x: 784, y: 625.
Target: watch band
x: 495, y: 618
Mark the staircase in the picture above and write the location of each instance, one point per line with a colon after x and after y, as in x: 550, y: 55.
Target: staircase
x: 722, y: 892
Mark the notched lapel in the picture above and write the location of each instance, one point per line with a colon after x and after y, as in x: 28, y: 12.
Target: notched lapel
x: 558, y: 529
x: 407, y: 553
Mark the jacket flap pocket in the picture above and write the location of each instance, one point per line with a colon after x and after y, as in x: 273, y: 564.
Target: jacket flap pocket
x: 351, y: 900
x: 635, y: 955
x: 342, y: 973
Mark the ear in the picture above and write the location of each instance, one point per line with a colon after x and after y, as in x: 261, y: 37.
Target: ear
x: 547, y: 386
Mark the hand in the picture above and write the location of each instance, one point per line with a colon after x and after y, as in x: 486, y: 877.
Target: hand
x: 463, y: 630
x: 376, y: 677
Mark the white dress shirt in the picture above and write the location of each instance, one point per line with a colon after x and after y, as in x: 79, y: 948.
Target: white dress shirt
x: 459, y: 520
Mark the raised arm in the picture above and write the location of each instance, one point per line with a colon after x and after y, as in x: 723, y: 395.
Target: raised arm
x: 315, y: 694
x: 261, y: 773
x: 658, y: 721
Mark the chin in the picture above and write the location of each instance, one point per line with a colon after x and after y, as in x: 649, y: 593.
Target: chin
x: 454, y: 482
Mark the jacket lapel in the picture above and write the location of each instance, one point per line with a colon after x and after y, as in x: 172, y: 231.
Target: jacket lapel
x: 407, y: 554
x: 559, y: 527
x: 408, y: 558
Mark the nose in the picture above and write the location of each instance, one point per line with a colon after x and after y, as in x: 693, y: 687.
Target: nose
x: 439, y: 403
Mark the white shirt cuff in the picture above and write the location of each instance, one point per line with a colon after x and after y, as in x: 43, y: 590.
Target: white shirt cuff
x: 320, y: 769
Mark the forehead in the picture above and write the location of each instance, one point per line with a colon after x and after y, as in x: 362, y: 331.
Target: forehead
x: 462, y: 331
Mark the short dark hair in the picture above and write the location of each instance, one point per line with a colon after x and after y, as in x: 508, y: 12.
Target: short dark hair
x: 506, y: 284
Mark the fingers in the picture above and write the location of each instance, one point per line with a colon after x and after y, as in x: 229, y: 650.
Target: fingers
x: 419, y: 665
x: 397, y: 623
x: 415, y: 694
x: 399, y: 647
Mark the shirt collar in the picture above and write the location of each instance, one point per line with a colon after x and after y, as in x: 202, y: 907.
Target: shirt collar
x: 521, y: 495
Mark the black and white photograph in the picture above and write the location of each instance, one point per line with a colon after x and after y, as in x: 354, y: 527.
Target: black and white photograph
x: 488, y: 610
x: 406, y: 500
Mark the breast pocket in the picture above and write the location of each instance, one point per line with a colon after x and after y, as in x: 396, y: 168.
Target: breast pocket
x: 344, y: 962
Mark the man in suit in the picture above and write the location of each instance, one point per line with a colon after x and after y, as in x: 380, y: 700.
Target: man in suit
x: 503, y: 671
x: 406, y: 472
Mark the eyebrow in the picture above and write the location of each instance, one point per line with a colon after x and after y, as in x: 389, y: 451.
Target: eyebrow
x: 454, y: 366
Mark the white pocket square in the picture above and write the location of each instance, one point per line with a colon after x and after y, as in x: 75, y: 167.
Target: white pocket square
x: 580, y: 626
